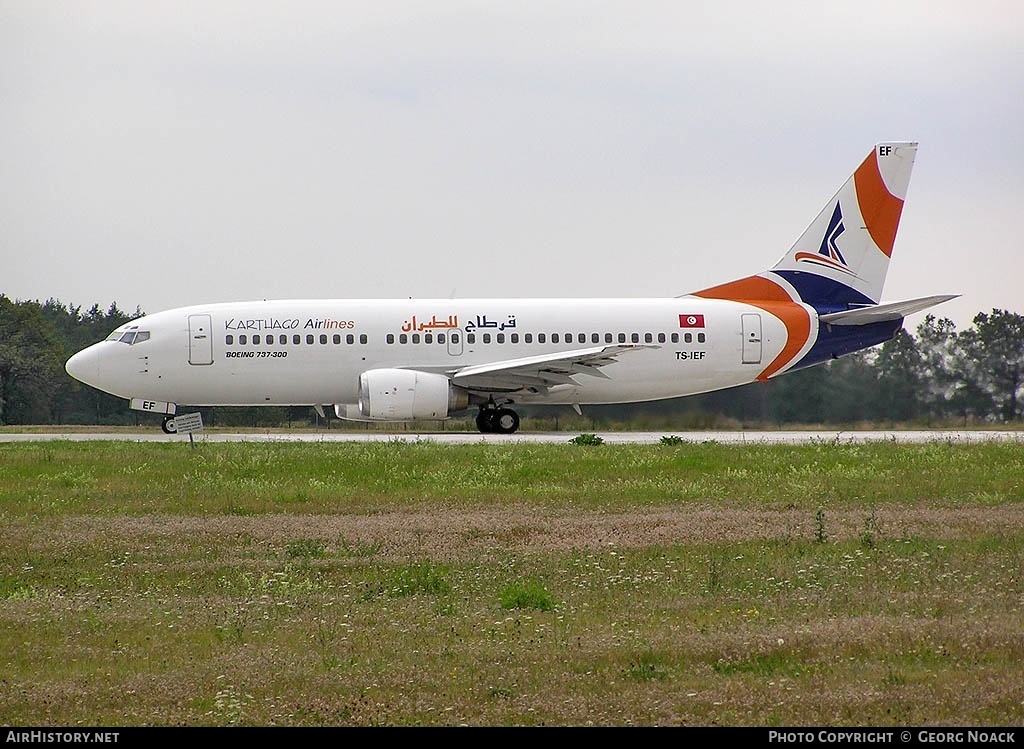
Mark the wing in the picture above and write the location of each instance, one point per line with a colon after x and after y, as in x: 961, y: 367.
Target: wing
x: 538, y: 373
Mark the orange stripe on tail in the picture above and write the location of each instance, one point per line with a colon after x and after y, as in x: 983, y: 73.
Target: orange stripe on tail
x: 880, y: 209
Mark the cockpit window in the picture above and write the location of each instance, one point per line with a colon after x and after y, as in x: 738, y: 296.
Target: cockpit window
x: 131, y: 336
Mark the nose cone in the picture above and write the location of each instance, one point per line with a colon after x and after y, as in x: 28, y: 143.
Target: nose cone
x: 85, y: 366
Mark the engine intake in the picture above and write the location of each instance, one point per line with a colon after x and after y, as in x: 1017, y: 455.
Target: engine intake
x: 405, y: 394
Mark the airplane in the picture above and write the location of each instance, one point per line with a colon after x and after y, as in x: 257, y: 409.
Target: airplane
x: 399, y: 360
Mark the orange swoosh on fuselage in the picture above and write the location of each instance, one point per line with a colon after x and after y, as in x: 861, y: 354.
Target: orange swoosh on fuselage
x: 769, y: 296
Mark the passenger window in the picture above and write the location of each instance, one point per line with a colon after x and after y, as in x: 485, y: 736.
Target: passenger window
x: 595, y: 337
x: 415, y: 337
x: 501, y: 337
x: 242, y: 340
x: 323, y: 339
x: 296, y: 339
x: 675, y: 338
x: 648, y: 338
x: 403, y: 338
x: 554, y: 337
x: 541, y: 337
x: 309, y: 338
x: 390, y: 338
x: 487, y: 337
x: 470, y: 337
x: 635, y: 337
x: 607, y: 337
x: 229, y: 340
x: 337, y: 339
x: 661, y: 337
x: 622, y: 337
x: 701, y: 338
x: 362, y: 338
x: 455, y: 337
x: 514, y: 338
x: 688, y: 337
x: 428, y: 337
x: 282, y: 339
x: 527, y: 337
x: 440, y: 337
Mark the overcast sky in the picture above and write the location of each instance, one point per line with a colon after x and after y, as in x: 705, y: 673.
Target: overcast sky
x: 158, y: 154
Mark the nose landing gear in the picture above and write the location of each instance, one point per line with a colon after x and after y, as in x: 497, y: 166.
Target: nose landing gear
x: 169, y: 426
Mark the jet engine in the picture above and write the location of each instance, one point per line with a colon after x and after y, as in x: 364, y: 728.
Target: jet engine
x: 404, y: 394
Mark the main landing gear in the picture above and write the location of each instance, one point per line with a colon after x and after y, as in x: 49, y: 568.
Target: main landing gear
x: 169, y: 426
x: 494, y: 420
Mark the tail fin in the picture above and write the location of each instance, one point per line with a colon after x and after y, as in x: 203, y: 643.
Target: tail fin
x: 841, y: 260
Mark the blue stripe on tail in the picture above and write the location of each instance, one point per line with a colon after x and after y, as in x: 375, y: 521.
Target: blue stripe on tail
x: 824, y: 294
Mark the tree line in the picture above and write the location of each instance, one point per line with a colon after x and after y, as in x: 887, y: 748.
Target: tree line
x: 935, y: 376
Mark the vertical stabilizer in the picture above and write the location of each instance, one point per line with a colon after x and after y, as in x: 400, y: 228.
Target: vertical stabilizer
x: 842, y: 258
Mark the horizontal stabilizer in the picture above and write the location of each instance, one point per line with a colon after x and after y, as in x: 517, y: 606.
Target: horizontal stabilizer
x: 884, y: 312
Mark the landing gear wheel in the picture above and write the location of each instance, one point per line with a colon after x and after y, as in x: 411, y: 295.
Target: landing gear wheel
x: 497, y: 420
x: 486, y: 420
x: 169, y: 426
x: 506, y: 422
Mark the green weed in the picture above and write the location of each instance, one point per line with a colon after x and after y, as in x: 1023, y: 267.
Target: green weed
x: 528, y: 594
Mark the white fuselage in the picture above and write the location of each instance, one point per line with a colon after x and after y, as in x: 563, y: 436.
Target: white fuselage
x: 313, y: 351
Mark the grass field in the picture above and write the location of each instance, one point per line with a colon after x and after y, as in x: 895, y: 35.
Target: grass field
x: 410, y: 583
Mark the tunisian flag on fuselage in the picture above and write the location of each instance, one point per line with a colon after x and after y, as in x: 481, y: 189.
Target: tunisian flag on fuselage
x: 691, y: 321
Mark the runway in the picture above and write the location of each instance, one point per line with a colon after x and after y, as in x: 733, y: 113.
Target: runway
x: 462, y: 438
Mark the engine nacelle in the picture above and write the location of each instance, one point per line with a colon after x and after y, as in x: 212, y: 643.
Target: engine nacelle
x: 406, y: 394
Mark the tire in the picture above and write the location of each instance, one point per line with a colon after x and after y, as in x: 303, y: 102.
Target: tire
x: 485, y: 421
x: 507, y: 421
